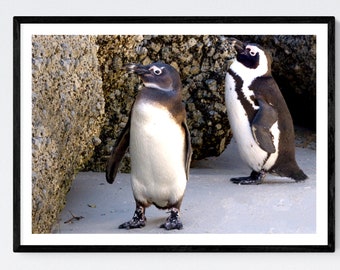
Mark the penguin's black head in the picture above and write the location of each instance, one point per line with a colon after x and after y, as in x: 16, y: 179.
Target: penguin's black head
x: 252, y: 56
x: 157, y: 75
x: 248, y: 56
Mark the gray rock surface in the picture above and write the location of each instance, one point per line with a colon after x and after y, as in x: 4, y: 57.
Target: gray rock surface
x: 67, y: 114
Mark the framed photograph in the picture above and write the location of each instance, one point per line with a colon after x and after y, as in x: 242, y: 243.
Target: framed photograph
x: 183, y: 110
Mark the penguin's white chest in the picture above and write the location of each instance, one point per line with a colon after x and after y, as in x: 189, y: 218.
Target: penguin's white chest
x: 249, y: 150
x: 157, y: 148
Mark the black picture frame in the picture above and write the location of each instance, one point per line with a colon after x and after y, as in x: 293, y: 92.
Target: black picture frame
x: 18, y: 246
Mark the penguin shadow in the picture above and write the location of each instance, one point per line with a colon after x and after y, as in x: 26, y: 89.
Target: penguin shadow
x: 279, y: 181
x: 228, y: 163
x: 155, y: 223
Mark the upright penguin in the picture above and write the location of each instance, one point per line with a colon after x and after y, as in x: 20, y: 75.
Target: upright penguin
x: 159, y: 142
x: 259, y: 117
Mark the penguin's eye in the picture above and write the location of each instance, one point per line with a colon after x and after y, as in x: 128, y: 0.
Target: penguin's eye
x: 157, y: 71
x: 252, y: 53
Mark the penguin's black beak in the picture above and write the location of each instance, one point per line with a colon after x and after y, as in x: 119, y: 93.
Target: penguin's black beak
x: 136, y: 68
x: 238, y: 45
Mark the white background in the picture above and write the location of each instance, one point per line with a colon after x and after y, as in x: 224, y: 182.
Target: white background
x: 10, y: 260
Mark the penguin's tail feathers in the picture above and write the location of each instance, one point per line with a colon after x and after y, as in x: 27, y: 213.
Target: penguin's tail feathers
x: 289, y: 169
x: 299, y: 176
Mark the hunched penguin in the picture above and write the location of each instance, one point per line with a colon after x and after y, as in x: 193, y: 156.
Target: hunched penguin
x: 259, y: 117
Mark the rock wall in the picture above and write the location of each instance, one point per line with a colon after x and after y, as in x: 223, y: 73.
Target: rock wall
x: 201, y: 61
x: 67, y: 115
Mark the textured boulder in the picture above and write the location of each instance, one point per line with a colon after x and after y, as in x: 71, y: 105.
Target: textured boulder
x: 201, y: 61
x: 67, y: 114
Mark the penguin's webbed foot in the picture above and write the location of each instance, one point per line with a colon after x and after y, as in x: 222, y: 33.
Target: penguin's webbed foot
x: 138, y: 220
x: 173, y: 221
x: 255, y: 178
x: 132, y: 224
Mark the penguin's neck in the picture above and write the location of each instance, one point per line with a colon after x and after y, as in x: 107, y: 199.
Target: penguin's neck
x: 172, y: 100
x: 248, y: 75
x: 160, y: 96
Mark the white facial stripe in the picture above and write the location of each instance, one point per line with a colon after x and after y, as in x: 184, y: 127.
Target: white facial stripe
x: 249, y: 74
x: 157, y: 70
x: 153, y: 85
x: 252, y: 50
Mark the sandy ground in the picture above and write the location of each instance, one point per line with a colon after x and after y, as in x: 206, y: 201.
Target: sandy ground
x: 212, y: 204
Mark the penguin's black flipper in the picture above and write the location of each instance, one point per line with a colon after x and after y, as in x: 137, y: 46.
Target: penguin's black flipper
x: 118, y: 152
x: 261, y: 125
x: 188, y: 149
